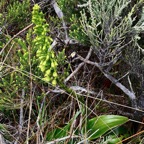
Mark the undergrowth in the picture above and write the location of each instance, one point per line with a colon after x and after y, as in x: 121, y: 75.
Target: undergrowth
x: 52, y: 91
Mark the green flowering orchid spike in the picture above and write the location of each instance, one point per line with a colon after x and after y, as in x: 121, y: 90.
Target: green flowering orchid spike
x: 42, y: 45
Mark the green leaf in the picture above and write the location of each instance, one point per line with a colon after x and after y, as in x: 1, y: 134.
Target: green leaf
x: 97, y: 126
x: 61, y: 132
x: 58, y: 132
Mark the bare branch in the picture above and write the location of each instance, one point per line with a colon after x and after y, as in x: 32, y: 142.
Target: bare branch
x: 76, y: 89
x: 79, y: 66
x: 21, y: 119
x: 129, y: 93
x: 62, y: 139
x: 60, y: 15
x: 130, y: 84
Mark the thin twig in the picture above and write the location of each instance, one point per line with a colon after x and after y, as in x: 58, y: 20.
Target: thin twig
x: 81, y: 90
x: 123, y: 76
x: 38, y: 119
x: 129, y: 93
x: 31, y: 95
x: 21, y: 120
x: 76, y: 89
x: 79, y: 66
x: 130, y: 84
x: 74, y: 72
x: 60, y: 15
x: 61, y: 139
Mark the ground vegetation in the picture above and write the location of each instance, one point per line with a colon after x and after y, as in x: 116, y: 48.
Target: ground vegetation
x: 71, y: 71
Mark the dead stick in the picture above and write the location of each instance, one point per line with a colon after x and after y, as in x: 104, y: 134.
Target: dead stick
x: 79, y: 66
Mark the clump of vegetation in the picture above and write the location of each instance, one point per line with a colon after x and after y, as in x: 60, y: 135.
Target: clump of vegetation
x: 15, y: 15
x: 58, y: 90
x: 73, y: 16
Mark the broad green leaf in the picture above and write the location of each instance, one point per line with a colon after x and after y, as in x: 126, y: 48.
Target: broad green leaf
x: 97, y: 126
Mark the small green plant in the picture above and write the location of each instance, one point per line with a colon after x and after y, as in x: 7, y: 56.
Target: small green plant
x: 18, y: 13
x: 44, y: 61
x: 76, y: 30
x: 31, y: 68
x: 94, y: 128
x: 72, y: 16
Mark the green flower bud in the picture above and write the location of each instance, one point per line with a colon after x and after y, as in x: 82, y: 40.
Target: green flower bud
x: 47, y: 73
x: 36, y: 7
x: 42, y: 68
x: 54, y: 82
x: 52, y: 65
x: 55, y: 74
x: 47, y: 79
